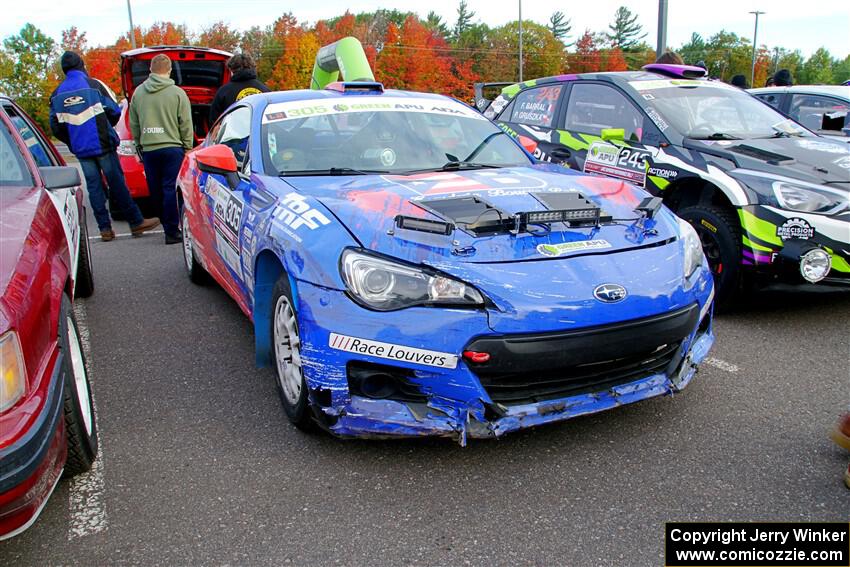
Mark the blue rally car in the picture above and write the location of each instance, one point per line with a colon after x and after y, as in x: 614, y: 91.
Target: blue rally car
x: 411, y: 270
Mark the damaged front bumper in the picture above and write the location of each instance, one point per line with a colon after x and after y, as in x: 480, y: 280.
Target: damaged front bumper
x: 454, y: 402
x: 479, y: 419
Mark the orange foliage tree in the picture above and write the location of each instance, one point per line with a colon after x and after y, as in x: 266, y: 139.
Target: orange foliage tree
x: 219, y: 36
x: 415, y: 58
x: 587, y: 58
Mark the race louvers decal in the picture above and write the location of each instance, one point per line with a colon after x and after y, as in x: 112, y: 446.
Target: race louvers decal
x: 628, y: 164
x: 390, y: 351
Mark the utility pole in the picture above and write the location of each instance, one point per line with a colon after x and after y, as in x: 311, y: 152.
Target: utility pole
x: 755, y: 35
x: 132, y: 29
x: 662, y: 28
x: 520, y: 41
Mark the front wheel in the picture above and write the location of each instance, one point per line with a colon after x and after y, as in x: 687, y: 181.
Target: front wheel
x: 80, y: 424
x: 286, y: 352
x: 196, y: 272
x: 720, y: 236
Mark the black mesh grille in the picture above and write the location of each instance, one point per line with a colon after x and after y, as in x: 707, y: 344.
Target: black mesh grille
x: 537, y: 367
x: 582, y: 379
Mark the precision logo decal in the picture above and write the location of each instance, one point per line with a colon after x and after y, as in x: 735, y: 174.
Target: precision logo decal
x: 567, y: 247
x: 795, y: 228
x: 392, y: 352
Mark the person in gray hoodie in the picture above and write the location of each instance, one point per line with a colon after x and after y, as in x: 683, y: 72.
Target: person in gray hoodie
x: 161, y: 124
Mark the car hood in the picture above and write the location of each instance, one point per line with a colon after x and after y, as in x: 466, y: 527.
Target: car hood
x: 368, y: 206
x: 812, y: 159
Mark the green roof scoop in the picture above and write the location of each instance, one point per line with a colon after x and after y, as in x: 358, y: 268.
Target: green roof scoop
x: 345, y: 57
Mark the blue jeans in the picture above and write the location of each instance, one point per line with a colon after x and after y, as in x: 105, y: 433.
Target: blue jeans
x: 108, y: 166
x: 161, y: 170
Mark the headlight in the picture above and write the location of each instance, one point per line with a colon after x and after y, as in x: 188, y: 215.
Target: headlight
x: 126, y: 148
x: 809, y: 199
x: 13, y: 374
x: 385, y: 285
x: 692, y: 247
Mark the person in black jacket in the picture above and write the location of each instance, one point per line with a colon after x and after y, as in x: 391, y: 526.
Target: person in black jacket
x: 243, y: 82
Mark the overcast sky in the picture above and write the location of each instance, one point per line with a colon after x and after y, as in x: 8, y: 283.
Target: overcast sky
x: 788, y: 23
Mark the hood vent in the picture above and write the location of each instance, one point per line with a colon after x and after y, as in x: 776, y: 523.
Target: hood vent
x: 764, y: 155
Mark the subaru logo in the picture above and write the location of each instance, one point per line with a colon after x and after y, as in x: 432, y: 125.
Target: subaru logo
x: 609, y: 293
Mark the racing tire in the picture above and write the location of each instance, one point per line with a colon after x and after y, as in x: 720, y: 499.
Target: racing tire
x: 720, y: 236
x: 196, y: 272
x: 78, y: 406
x: 286, y: 357
x: 84, y: 279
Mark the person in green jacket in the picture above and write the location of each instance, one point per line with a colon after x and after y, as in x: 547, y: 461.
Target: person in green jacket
x: 161, y: 124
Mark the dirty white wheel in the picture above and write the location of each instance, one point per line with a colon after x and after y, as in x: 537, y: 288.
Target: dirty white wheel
x: 286, y: 352
x: 287, y: 346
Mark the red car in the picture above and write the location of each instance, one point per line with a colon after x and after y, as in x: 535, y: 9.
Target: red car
x: 197, y: 70
x: 47, y: 422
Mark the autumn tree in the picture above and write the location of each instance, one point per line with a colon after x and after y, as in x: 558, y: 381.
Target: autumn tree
x: 29, y: 75
x: 587, y: 57
x: 73, y: 40
x: 219, y: 35
x: 613, y: 60
x: 415, y: 58
x: 625, y: 31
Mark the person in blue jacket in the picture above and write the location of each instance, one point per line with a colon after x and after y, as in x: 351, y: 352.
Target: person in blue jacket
x: 82, y: 115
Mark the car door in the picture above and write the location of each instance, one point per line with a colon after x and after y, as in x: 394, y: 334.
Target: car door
x: 533, y: 113
x: 605, y: 133
x: 222, y: 208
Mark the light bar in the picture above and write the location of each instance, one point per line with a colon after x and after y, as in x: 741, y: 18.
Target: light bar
x: 424, y: 225
x: 561, y: 215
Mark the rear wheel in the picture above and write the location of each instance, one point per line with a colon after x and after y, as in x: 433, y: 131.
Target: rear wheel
x: 84, y: 280
x: 197, y: 273
x: 286, y: 353
x: 720, y: 236
x: 80, y: 424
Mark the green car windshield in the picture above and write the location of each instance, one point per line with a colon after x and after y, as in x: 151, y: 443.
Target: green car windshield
x: 381, y: 135
x: 705, y: 110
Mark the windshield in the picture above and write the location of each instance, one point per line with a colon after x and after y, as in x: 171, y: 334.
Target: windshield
x: 381, y: 135
x: 710, y: 110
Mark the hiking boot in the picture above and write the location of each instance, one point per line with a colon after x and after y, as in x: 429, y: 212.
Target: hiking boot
x: 144, y: 226
x: 841, y: 433
x: 107, y: 235
x: 175, y: 238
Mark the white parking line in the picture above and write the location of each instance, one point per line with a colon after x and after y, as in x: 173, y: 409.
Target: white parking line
x: 721, y: 364
x: 125, y: 235
x: 86, y: 491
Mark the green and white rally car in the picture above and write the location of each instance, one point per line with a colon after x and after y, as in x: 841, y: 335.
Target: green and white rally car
x: 768, y: 198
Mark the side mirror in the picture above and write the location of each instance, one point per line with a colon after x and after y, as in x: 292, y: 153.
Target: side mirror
x: 527, y: 143
x: 60, y: 177
x: 613, y: 134
x: 219, y: 160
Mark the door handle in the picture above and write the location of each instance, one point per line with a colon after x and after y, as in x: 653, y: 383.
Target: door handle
x: 561, y: 153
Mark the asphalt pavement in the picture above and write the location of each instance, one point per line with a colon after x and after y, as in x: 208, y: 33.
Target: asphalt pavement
x: 199, y: 466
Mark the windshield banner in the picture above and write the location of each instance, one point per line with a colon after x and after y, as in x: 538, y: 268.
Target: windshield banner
x: 316, y: 107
